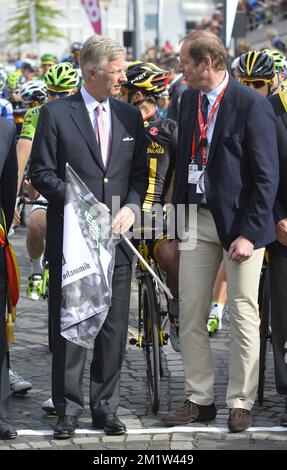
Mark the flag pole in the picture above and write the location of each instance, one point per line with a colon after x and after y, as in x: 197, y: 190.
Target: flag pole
x: 150, y: 270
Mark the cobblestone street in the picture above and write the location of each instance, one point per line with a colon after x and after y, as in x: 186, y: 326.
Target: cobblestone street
x: 31, y: 359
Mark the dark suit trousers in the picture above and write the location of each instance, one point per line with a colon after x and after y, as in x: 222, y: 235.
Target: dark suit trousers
x: 4, y: 378
x: 109, y: 348
x: 278, y: 277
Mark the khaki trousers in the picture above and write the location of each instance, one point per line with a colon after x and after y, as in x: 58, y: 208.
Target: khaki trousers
x: 197, y: 272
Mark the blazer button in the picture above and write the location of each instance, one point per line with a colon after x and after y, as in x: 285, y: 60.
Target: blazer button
x: 106, y: 180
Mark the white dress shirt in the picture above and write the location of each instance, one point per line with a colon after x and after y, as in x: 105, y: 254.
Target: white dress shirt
x: 212, y: 97
x: 91, y: 105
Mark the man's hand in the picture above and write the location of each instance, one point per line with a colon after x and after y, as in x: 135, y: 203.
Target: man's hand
x: 123, y: 220
x: 240, y: 250
x: 281, y: 230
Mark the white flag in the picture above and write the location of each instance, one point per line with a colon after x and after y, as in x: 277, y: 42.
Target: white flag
x: 88, y: 263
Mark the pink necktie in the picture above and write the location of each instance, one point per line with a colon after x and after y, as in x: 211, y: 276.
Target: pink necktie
x: 102, y: 133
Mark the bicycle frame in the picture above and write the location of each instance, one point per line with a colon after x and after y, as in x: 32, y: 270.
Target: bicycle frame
x: 151, y: 335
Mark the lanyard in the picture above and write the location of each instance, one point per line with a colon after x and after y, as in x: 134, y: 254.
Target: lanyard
x: 203, y: 127
x: 150, y: 115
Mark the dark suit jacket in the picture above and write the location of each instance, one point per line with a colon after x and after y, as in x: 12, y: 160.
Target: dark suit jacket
x: 280, y: 206
x: 65, y: 134
x: 242, y: 169
x: 8, y: 170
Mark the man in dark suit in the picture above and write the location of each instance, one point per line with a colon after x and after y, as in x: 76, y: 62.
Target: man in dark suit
x: 228, y: 167
x: 278, y: 260
x: 8, y: 189
x: 257, y: 69
x: 104, y: 141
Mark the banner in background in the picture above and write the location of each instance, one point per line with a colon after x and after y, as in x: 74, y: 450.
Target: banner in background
x: 93, y: 11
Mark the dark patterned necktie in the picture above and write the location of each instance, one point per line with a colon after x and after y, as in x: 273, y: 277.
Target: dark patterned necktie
x: 204, y: 106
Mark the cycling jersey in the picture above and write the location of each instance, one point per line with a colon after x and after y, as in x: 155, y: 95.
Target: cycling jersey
x: 6, y: 109
x: 18, y: 115
x: 162, y: 143
x: 30, y: 123
x: 27, y: 133
x: 283, y: 98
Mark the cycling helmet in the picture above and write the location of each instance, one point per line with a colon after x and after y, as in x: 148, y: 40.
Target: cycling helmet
x: 279, y: 59
x: 48, y: 59
x: 146, y: 77
x: 35, y: 90
x: 254, y: 65
x: 3, y: 78
x: 13, y: 82
x: 76, y: 47
x: 62, y: 76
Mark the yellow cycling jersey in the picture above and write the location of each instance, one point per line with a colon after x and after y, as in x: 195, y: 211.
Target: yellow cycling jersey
x: 30, y: 123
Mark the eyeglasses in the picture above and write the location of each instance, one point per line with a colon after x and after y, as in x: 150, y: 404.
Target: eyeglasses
x: 260, y: 83
x: 116, y: 72
x: 60, y: 94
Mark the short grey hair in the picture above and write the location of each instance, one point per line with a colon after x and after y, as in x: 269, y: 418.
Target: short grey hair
x: 97, y: 51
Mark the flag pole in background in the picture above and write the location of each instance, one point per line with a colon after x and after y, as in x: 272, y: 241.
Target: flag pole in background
x: 159, y: 24
x: 94, y: 13
x: 229, y: 13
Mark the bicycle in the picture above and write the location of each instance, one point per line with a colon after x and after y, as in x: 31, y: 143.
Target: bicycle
x: 265, y: 329
x: 152, y: 320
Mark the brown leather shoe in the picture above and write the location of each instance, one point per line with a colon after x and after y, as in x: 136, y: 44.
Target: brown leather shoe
x: 239, y: 419
x: 190, y: 412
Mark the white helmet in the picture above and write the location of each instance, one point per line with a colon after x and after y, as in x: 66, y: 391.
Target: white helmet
x: 35, y: 90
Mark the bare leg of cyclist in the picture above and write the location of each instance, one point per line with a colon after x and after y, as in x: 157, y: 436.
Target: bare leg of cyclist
x: 219, y: 299
x: 35, y: 246
x: 167, y: 257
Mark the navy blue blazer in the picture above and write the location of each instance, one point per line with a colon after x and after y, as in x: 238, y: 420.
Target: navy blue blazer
x: 280, y: 206
x: 242, y: 174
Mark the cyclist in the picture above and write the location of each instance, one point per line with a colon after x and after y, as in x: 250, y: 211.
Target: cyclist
x: 280, y: 64
x: 257, y: 70
x: 33, y: 94
x: 6, y: 109
x: 47, y: 61
x: 146, y: 82
x: 13, y: 88
x: 60, y: 80
x: 75, y: 48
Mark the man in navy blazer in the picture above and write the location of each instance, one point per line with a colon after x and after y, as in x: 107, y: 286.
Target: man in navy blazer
x: 8, y: 189
x: 69, y: 130
x: 227, y: 166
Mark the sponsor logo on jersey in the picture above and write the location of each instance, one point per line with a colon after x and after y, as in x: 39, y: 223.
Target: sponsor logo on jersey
x: 155, y: 148
x: 153, y: 131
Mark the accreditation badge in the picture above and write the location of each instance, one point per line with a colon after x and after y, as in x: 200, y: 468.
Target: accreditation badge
x: 192, y: 173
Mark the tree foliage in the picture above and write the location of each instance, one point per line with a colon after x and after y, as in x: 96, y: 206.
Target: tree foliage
x: 20, y: 30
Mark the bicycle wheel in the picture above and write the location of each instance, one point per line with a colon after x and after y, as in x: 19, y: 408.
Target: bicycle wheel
x: 264, y: 313
x: 150, y: 344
